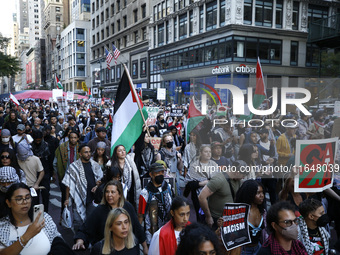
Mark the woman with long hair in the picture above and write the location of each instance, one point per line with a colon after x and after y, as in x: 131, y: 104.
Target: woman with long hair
x: 165, y: 240
x: 252, y: 192
x: 118, y: 236
x: 191, y: 150
x: 8, y: 158
x: 99, y: 155
x: 249, y: 153
x: 19, y: 233
x: 130, y: 174
x: 92, y: 231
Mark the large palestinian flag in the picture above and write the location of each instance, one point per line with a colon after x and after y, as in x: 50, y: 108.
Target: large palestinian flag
x: 127, y: 123
x: 194, y: 118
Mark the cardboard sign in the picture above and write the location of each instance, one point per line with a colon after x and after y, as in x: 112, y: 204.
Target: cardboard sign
x: 176, y: 112
x: 235, y: 231
x: 156, y: 142
x: 169, y: 180
x: 56, y: 93
x: 316, y: 162
x: 152, y: 115
x: 69, y: 95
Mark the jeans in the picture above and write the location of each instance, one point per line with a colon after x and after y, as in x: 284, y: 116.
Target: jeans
x: 250, y: 250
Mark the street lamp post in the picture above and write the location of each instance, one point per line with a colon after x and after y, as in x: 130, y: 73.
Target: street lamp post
x: 178, y: 90
x: 100, y: 76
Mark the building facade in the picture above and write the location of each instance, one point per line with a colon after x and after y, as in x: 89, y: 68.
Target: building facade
x: 74, y: 54
x: 123, y: 23
x: 193, y: 43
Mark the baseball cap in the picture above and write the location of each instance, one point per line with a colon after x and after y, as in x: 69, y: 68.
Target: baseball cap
x: 21, y: 127
x: 156, y: 167
x: 101, y: 129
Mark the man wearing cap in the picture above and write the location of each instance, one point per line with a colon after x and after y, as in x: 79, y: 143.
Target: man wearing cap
x: 93, y: 133
x: 216, y: 154
x: 32, y: 167
x: 21, y: 136
x: 283, y: 144
x: 221, y: 189
x: 155, y: 201
x: 8, y: 176
x: 101, y: 137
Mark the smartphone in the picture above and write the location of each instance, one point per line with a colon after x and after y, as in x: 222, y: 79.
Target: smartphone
x: 36, y: 210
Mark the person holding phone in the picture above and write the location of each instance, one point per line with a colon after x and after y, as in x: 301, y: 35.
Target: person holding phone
x: 20, y: 233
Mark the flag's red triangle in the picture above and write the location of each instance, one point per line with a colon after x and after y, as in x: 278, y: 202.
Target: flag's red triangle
x: 193, y: 111
x: 260, y: 90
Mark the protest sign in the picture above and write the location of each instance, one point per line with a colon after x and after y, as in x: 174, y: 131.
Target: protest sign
x: 315, y: 160
x: 235, y: 231
x: 156, y: 142
x: 176, y: 112
x: 152, y: 115
x: 161, y: 93
x: 56, y: 93
x: 337, y: 108
x: 69, y: 95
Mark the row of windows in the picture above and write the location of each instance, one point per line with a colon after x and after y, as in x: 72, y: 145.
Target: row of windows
x: 119, y: 43
x: 95, y: 22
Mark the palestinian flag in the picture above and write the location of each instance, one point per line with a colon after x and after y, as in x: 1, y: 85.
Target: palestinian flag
x: 89, y: 94
x: 194, y: 118
x: 109, y: 122
x: 57, y: 81
x: 127, y: 119
x: 260, y: 91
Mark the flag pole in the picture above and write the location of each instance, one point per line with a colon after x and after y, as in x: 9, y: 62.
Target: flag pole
x: 137, y: 98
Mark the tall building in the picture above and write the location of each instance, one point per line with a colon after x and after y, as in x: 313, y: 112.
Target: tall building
x: 218, y: 42
x: 22, y: 14
x: 74, y: 51
x: 53, y: 25
x: 79, y: 10
x: 34, y: 21
x: 123, y: 23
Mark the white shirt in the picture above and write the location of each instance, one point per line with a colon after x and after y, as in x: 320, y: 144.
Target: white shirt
x: 38, y: 245
x: 17, y: 138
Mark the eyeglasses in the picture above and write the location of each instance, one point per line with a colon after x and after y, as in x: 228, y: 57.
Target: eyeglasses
x: 21, y: 200
x: 288, y: 223
x: 5, y: 157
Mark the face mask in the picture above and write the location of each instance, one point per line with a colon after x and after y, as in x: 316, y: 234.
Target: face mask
x: 152, y: 133
x: 290, y: 233
x: 323, y: 221
x: 159, y: 179
x: 162, y: 121
x: 5, y: 140
x: 169, y: 144
x: 3, y: 189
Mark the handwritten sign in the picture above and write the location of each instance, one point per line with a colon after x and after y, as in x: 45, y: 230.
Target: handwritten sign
x: 156, y: 142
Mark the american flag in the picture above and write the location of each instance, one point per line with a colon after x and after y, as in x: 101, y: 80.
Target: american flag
x: 115, y: 51
x: 109, y: 58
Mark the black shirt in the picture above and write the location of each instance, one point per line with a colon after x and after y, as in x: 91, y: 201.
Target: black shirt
x: 97, y: 250
x: 91, y: 182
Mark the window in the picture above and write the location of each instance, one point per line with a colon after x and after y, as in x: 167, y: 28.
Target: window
x: 80, y: 70
x: 159, y: 10
x: 175, y: 29
x: 167, y: 7
x: 183, y: 22
x: 107, y: 32
x: 125, y: 21
x: 107, y: 13
x: 312, y: 56
x: 57, y: 18
x: 181, y: 4
x: 98, y: 38
x: 294, y: 47
x: 222, y: 12
x: 113, y: 28
x: 93, y: 24
x: 135, y: 16
x: 211, y: 52
x: 163, y: 10
x: 154, y: 36
x: 161, y: 34
x: 136, y: 36
x: 102, y: 32
x: 143, y: 11
x: 112, y: 9
x: 135, y: 69
x: 270, y: 51
x: 144, y: 33
x: 264, y: 13
x: 295, y: 21
x: 118, y: 25
x: 155, y: 13
x: 97, y: 20
x: 125, y: 41
x: 101, y: 2
x: 316, y: 12
x: 211, y: 15
x: 167, y: 32
x: 191, y: 24
x: 175, y: 5
x: 57, y: 9
x: 201, y: 19
x: 102, y: 17
x: 93, y: 39
x: 80, y: 58
x: 118, y: 5
x: 125, y: 3
x: 80, y: 34
x: 279, y: 7
x: 93, y: 7
x: 97, y: 4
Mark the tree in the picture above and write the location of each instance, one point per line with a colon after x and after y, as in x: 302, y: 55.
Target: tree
x: 9, y: 65
x: 330, y: 64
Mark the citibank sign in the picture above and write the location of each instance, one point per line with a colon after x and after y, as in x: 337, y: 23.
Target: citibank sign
x: 231, y: 69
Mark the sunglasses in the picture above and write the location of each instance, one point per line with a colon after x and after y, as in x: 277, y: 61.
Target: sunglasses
x: 5, y: 157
